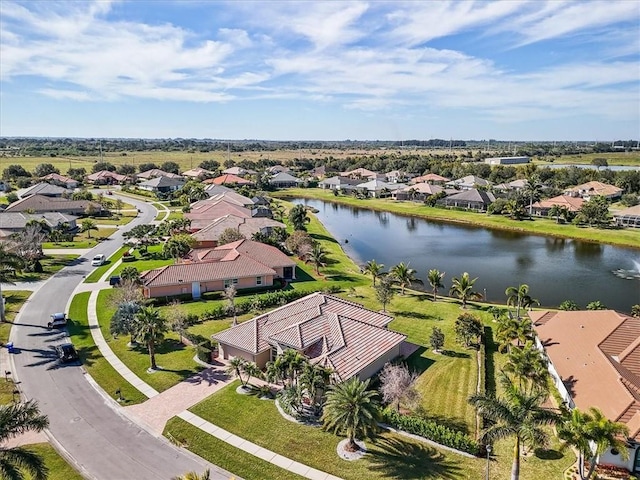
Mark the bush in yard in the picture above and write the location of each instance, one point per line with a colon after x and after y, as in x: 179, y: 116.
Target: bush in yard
x: 127, y: 257
x: 468, y: 329
x: 436, y: 340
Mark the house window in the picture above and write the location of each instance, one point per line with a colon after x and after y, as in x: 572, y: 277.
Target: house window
x: 274, y: 353
x: 227, y: 283
x: 259, y: 280
x: 230, y: 281
x: 235, y: 281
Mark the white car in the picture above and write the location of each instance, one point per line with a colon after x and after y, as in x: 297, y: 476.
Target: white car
x: 98, y: 260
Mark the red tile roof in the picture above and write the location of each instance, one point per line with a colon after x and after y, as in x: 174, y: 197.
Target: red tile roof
x: 573, y: 204
x: 229, y: 179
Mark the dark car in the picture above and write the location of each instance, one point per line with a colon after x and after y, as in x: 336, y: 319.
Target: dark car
x: 67, y: 353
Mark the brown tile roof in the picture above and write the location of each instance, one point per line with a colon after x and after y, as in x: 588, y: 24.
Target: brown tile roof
x: 573, y: 204
x: 204, y: 212
x: 59, y: 178
x: 156, y: 172
x: 596, y: 188
x: 197, y: 172
x: 228, y: 179
x: 331, y: 331
x: 265, y: 254
x: 246, y: 226
x: 429, y: 177
x: 426, y: 188
x: 597, y: 355
x: 107, y: 174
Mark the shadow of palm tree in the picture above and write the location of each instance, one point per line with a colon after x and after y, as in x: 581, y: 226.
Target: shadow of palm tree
x: 395, y: 458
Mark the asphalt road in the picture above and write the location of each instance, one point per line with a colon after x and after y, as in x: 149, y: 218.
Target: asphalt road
x: 86, y: 425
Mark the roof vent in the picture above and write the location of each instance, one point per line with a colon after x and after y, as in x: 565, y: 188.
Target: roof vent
x: 581, y: 326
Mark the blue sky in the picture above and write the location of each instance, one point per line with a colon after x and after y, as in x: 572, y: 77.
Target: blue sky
x: 321, y: 70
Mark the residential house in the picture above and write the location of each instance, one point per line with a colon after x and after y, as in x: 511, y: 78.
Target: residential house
x: 396, y: 176
x: 277, y: 169
x: 469, y: 199
x: 318, y: 172
x: 593, y: 189
x: 378, y: 188
x: 594, y: 360
x: 430, y: 178
x: 228, y: 179
x: 363, y: 174
x: 14, y: 222
x: 507, y: 160
x: 155, y: 173
x: 207, y: 237
x: 242, y: 264
x: 629, y: 217
x: 418, y: 192
x: 105, y: 177
x: 61, y: 181
x: 45, y: 189
x: 339, y: 183
x: 203, y: 212
x: 228, y: 195
x: 343, y: 336
x: 542, y: 207
x: 519, y: 184
x: 162, y: 184
x: 285, y: 180
x: 41, y: 204
x: 198, y: 174
x: 261, y: 201
x: 469, y: 182
x: 239, y: 172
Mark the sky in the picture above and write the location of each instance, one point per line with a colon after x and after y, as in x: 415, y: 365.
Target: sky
x: 321, y: 70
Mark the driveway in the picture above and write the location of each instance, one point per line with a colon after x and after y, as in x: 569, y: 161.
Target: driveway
x: 87, y: 426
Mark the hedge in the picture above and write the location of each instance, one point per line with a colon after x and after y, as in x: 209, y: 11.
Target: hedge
x: 431, y: 430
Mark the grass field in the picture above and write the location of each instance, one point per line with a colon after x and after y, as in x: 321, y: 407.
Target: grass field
x: 81, y: 240
x: 97, y: 273
x: 156, y: 260
x: 618, y: 158
x: 14, y: 299
x: 51, y: 264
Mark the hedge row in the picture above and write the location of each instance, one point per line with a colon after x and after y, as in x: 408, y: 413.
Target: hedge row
x: 431, y: 430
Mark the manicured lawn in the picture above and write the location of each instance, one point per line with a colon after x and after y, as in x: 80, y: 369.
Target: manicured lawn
x: 6, y: 390
x: 224, y: 455
x: 173, y: 215
x: 117, y: 219
x: 175, y: 358
x: 155, y: 259
x: 82, y: 241
x: 93, y: 362
x: 50, y: 264
x: 95, y: 276
x: 391, y: 455
x: 537, y: 226
x: 58, y: 467
x: 14, y: 299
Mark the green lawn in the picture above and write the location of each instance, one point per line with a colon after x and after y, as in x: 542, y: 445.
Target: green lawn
x: 391, y: 455
x: 51, y: 264
x: 82, y: 241
x: 155, y: 260
x: 175, y: 358
x: 6, y: 390
x: 537, y: 226
x: 93, y: 362
x: 97, y: 274
x: 14, y: 300
x: 117, y: 219
x: 58, y: 467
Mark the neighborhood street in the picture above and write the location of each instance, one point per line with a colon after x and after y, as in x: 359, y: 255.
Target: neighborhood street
x: 101, y: 442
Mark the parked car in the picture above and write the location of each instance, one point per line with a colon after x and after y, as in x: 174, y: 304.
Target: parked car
x: 98, y: 260
x: 114, y: 281
x: 57, y: 320
x: 67, y: 353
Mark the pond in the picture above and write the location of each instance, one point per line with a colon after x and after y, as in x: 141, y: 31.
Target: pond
x: 555, y: 269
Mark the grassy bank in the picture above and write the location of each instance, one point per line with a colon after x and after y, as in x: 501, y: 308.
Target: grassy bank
x: 537, y: 226
x: 14, y: 299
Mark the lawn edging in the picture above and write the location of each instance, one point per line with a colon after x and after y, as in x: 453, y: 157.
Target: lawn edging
x: 426, y: 440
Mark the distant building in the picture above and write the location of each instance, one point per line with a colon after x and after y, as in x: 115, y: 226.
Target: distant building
x: 507, y: 160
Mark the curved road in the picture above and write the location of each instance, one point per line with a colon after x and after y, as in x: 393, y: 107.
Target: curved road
x: 85, y: 424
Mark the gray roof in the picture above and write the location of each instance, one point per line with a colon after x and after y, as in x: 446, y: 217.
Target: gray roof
x: 284, y: 177
x: 474, y: 195
x: 46, y: 189
x: 337, y: 180
x: 159, y: 182
x: 18, y: 220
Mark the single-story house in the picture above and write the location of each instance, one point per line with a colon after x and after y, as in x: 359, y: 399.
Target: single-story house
x: 519, y: 184
x: 238, y: 171
x: 45, y: 189
x: 155, y: 173
x: 430, y: 178
x: 242, y: 264
x: 593, y: 189
x: 208, y: 236
x: 396, y: 176
x: 277, y: 169
x: 40, y: 204
x: 542, y: 207
x: 363, y: 174
x: 14, y: 222
x: 378, y: 188
x: 203, y: 212
x: 469, y: 182
x: 318, y: 172
x: 507, y: 160
x: 470, y: 199
x: 198, y: 173
x: 105, y: 177
x: 285, y: 180
x: 338, y: 334
x: 229, y: 196
x: 594, y: 360
x: 162, y: 184
x: 261, y: 201
x: 228, y: 179
x: 629, y: 217
x: 61, y: 180
x: 339, y: 183
x: 418, y: 192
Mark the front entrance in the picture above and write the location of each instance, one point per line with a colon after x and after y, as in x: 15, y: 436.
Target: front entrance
x: 287, y: 273
x: 195, y: 290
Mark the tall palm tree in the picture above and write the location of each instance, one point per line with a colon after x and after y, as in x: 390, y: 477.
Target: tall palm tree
x: 317, y: 256
x: 533, y: 191
x: 510, y: 329
x: 314, y: 380
x: 519, y: 297
x: 557, y: 211
x: 150, y: 329
x: 463, y: 288
x: 16, y: 419
x: 194, y: 476
x: 353, y: 409
x: 250, y: 369
x: 10, y: 263
x: 529, y: 367
x: 404, y: 275
x: 88, y: 225
x: 592, y: 434
x: 517, y: 414
x: 235, y: 368
x: 292, y: 363
x: 374, y: 269
x: 435, y: 280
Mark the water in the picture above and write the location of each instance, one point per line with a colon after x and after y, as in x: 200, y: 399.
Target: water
x: 555, y: 269
x: 614, y: 168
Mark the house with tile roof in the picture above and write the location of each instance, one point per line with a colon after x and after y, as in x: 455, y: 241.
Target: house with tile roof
x: 593, y: 189
x: 208, y: 236
x: 45, y: 189
x: 198, y: 173
x: 338, y: 334
x: 629, y: 217
x: 203, y: 212
x: 156, y: 172
x: 14, y: 222
x: 430, y: 178
x: 417, y: 192
x: 472, y: 199
x: 162, y: 184
x: 40, y: 204
x: 378, y: 188
x: 541, y: 208
x: 242, y: 264
x: 594, y: 360
x: 339, y: 183
x: 469, y: 182
x: 228, y: 179
x: 238, y: 171
x: 61, y: 180
x: 363, y: 174
x: 105, y: 177
x: 285, y: 180
x: 220, y: 192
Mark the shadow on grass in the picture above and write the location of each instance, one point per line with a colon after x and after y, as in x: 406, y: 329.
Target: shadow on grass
x: 416, y: 362
x: 302, y: 276
x: 417, y: 315
x: 544, y: 454
x: 398, y: 459
x: 451, y: 353
x: 324, y: 238
x: 450, y: 422
x: 491, y: 350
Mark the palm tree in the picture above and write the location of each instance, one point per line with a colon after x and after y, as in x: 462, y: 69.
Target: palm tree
x: 374, y: 269
x: 435, y: 280
x: 463, y: 288
x: 16, y: 419
x: 404, y: 275
x: 317, y: 256
x: 88, y: 225
x: 557, y: 211
x: 150, y: 329
x: 292, y: 363
x: 314, y: 380
x: 124, y: 320
x: 194, y: 476
x: 510, y: 329
x: 236, y: 367
x: 529, y: 367
x: 10, y: 263
x: 592, y: 434
x: 532, y: 190
x: 517, y: 414
x: 250, y: 369
x: 519, y: 296
x: 353, y: 409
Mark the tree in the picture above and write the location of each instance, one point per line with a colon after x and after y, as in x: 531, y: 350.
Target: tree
x: 28, y: 243
x: 594, y: 212
x: 436, y: 340
x: 592, y: 434
x: 119, y: 205
x: 463, y: 288
x: 250, y: 369
x: 142, y: 236
x: 317, y: 256
x: 596, y: 305
x: 194, y: 476
x: 298, y: 217
x: 292, y: 363
x: 519, y: 296
x: 126, y: 170
x: 235, y: 368
x: 144, y: 167
x: 529, y: 368
x: 177, y: 246
x: 150, y: 329
x: 299, y: 242
x: 124, y: 320
x: 385, y: 292
x: 10, y: 264
x: 512, y: 329
x: 569, y: 305
x: 87, y: 225
x: 44, y: 169
x: 14, y: 171
x: 635, y: 311
x: 374, y: 269
x: 100, y: 166
x: 557, y: 211
x: 230, y: 235
x: 435, y: 280
x: 532, y: 191
x: 516, y: 414
x: 397, y: 384
x: 351, y: 409
x: 171, y: 167
x: 229, y: 295
x: 131, y: 274
x: 77, y: 174
x: 599, y: 162
x: 314, y: 381
x: 404, y: 275
x: 468, y: 329
x: 16, y: 419
x: 210, y: 165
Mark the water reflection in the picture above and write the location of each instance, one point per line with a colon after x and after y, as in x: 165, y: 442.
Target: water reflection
x: 587, y: 250
x: 555, y: 244
x: 411, y: 224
